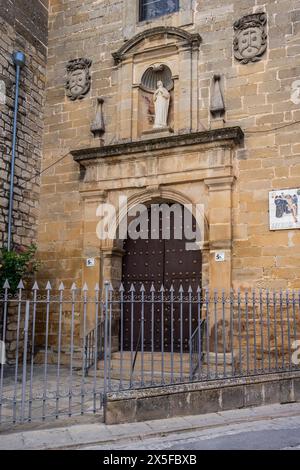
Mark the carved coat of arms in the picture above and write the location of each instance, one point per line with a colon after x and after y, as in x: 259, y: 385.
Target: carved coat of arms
x: 79, y: 79
x: 250, y: 40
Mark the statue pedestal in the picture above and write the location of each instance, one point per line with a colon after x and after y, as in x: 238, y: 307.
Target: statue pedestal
x: 157, y: 133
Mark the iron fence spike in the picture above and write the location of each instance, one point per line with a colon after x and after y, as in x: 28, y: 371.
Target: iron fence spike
x: 85, y: 287
x: 6, y: 285
x: 35, y: 286
x: 97, y: 288
x: 172, y: 288
x: 181, y: 289
x: 143, y: 288
x: 48, y: 286
x: 73, y: 287
x: 190, y: 290
x: 132, y: 288
x: 152, y: 288
x: 198, y: 290
x: 20, y: 285
x: 121, y: 289
x: 61, y: 286
x: 162, y: 289
x: 111, y: 289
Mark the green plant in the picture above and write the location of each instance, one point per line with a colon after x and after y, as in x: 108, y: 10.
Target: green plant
x: 17, y: 264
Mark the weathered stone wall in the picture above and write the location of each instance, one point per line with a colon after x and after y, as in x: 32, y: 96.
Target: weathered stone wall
x: 257, y: 98
x: 24, y: 26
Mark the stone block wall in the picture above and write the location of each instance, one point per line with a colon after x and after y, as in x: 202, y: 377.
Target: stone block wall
x: 24, y: 27
x: 257, y: 98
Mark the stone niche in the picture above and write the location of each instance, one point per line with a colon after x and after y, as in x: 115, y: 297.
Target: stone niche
x: 146, y: 112
x: 163, y: 51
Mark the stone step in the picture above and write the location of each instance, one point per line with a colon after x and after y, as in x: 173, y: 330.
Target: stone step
x: 115, y: 365
x: 157, y: 374
x: 176, y: 357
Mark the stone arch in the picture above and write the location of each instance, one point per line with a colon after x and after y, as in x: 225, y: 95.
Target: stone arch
x: 112, y: 249
x: 157, y: 194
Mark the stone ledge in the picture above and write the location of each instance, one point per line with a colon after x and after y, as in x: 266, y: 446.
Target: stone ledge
x: 230, y: 135
x: 201, y: 397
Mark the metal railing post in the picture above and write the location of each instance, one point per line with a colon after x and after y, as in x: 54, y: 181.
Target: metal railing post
x: 23, y: 400
x: 105, y: 336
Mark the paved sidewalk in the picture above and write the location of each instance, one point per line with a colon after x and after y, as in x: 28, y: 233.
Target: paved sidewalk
x: 98, y: 434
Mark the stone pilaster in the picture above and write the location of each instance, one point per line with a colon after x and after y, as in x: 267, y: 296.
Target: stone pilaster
x: 220, y: 232
x: 91, y: 275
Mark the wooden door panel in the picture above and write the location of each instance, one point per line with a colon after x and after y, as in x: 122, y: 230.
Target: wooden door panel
x: 158, y: 262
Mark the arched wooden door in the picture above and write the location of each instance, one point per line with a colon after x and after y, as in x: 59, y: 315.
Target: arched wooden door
x: 160, y: 262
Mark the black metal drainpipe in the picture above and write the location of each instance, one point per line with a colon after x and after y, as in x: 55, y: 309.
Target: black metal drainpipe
x: 19, y: 62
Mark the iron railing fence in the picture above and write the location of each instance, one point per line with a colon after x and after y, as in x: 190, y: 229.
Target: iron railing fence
x: 66, y: 349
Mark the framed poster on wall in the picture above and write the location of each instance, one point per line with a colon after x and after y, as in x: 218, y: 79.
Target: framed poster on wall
x: 284, y: 209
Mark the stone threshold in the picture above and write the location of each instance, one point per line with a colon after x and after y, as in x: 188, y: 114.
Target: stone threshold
x: 229, y: 135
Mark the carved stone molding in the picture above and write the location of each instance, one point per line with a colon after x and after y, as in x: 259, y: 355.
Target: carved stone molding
x: 229, y: 136
x: 78, y: 82
x: 250, y: 40
x: 193, y: 40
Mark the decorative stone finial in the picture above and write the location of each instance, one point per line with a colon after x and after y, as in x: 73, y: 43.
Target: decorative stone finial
x: 98, y: 127
x: 217, y: 106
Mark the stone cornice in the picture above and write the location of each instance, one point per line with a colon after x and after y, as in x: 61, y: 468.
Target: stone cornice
x: 229, y: 136
x: 181, y: 34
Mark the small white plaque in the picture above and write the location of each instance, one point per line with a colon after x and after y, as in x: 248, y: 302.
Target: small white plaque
x: 220, y: 257
x: 90, y: 262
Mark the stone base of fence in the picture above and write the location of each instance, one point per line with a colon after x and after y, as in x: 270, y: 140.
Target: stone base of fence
x: 201, y: 398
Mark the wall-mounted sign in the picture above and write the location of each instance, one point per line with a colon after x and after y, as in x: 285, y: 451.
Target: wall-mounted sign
x: 90, y: 262
x: 284, y: 209
x: 220, y: 257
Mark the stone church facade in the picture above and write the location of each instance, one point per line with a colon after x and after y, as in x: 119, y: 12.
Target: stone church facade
x: 231, y: 137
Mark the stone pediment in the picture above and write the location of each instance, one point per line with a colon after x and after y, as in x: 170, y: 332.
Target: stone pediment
x: 170, y: 35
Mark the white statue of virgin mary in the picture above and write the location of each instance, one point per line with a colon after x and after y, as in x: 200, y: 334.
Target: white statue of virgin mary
x: 161, y: 100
